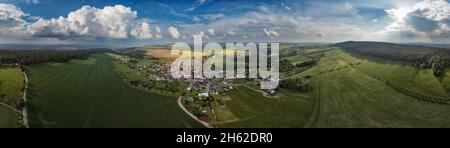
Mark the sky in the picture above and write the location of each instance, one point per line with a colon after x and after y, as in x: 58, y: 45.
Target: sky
x: 142, y: 22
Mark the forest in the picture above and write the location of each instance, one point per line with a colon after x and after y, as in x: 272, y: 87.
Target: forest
x: 28, y: 57
x: 438, y: 59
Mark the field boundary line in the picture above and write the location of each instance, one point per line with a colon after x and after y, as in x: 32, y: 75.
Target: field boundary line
x: 10, y: 107
x: 193, y: 116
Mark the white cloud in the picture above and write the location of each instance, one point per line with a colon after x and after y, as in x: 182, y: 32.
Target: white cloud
x: 198, y: 3
x: 263, y: 8
x: 271, y: 33
x: 201, y: 34
x: 209, y: 17
x: 428, y: 19
x: 174, y: 32
x: 158, y: 33
x: 191, y: 9
x: 285, y: 6
x: 201, y: 2
x: 142, y: 32
x: 10, y: 12
x: 196, y: 19
x: 11, y: 19
x: 231, y: 32
x: 321, y: 9
x: 211, y: 32
x: 115, y: 22
x: 32, y: 1
x: 280, y: 26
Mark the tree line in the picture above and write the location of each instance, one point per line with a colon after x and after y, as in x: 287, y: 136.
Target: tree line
x: 298, y: 84
x: 438, y: 59
x: 28, y: 57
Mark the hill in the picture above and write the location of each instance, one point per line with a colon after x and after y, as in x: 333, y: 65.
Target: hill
x: 438, y: 59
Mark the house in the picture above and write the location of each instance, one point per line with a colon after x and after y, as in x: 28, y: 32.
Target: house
x: 203, y: 95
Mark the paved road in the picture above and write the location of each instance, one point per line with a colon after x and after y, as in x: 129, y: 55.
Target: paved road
x: 193, y: 116
x: 25, y: 111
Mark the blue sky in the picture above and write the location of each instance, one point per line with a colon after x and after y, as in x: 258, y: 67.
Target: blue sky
x: 140, y: 22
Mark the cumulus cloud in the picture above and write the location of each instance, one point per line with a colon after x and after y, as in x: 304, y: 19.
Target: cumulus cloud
x: 200, y: 34
x: 174, y: 32
x: 11, y: 19
x: 158, y: 33
x: 115, y: 22
x: 428, y: 18
x: 142, y: 32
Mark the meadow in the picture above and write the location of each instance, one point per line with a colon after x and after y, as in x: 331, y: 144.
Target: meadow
x: 348, y: 97
x: 346, y: 93
x: 89, y: 93
x: 11, y: 85
x: 252, y: 110
x: 11, y: 89
x: 8, y: 118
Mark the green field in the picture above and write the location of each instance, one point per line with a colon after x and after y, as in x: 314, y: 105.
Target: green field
x: 253, y: 110
x: 348, y: 97
x: 11, y: 89
x: 11, y: 85
x: 8, y: 118
x: 91, y: 94
x: 346, y: 93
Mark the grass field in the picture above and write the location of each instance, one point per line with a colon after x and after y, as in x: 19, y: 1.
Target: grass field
x: 252, y: 110
x: 345, y: 94
x: 8, y: 118
x: 11, y: 85
x: 348, y: 97
x: 92, y: 94
x: 307, y: 55
x: 11, y: 89
x: 421, y: 80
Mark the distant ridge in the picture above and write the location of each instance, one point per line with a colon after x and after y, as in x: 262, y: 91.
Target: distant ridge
x: 438, y: 59
x: 47, y: 47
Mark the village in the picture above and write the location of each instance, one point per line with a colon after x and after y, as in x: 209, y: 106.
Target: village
x: 199, y: 96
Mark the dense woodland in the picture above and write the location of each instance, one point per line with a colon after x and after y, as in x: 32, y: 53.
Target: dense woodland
x: 438, y: 59
x: 27, y: 57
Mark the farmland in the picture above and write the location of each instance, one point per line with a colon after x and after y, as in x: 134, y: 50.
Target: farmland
x: 11, y: 86
x: 89, y: 93
x: 253, y: 110
x: 349, y: 97
x: 8, y: 118
x: 347, y: 93
x: 348, y: 89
